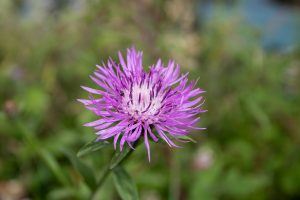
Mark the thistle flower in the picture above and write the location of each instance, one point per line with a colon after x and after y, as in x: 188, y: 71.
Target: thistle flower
x: 133, y: 103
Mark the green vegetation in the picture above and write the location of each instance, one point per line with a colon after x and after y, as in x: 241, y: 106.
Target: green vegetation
x: 250, y: 149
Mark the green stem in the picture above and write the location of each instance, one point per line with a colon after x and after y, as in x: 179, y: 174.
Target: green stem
x: 109, y: 168
x: 100, y: 182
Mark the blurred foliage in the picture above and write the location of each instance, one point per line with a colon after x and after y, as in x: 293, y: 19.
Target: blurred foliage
x: 249, y: 151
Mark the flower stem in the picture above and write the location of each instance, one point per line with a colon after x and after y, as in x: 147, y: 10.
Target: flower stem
x: 108, y: 169
x: 100, y: 182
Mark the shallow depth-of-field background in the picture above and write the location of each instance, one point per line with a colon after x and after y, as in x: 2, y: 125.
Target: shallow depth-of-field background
x: 250, y: 150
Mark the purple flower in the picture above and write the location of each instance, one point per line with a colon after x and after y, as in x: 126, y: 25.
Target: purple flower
x: 133, y: 103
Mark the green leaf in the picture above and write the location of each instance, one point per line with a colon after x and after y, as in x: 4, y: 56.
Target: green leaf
x: 85, y: 171
x: 61, y: 193
x: 92, y: 147
x: 118, y: 157
x: 53, y: 165
x: 187, y: 138
x: 124, y: 184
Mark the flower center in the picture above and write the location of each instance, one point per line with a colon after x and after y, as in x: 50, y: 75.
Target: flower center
x: 142, y: 102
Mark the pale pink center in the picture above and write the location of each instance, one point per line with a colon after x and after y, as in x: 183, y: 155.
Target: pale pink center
x: 142, y: 102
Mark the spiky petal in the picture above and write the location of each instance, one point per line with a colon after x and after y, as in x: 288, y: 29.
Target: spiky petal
x: 132, y: 103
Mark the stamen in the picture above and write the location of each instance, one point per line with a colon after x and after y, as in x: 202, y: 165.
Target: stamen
x: 142, y: 100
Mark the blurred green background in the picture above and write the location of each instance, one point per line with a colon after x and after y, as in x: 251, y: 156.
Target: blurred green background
x: 251, y: 148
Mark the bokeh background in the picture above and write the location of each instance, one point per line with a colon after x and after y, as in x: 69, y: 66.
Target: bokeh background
x: 246, y: 54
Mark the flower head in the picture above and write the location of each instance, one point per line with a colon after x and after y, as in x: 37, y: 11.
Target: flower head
x: 133, y: 103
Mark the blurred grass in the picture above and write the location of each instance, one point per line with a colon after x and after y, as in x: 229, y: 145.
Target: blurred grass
x: 249, y: 151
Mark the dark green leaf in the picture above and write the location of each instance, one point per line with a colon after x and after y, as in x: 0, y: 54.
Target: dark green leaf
x: 91, y: 147
x: 118, y: 157
x: 124, y: 184
x: 85, y: 171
